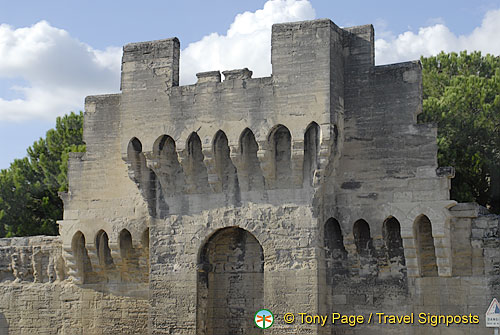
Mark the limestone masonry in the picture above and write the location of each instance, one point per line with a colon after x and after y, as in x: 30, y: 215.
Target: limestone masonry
x: 311, y: 191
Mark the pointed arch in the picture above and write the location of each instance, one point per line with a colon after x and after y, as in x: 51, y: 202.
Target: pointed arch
x: 362, y: 237
x: 195, y: 170
x: 426, y: 252
x: 103, y: 250
x: 134, y: 146
x: 250, y: 174
x: 168, y: 168
x: 129, y: 257
x: 311, y: 153
x: 82, y: 260
x: 281, y: 148
x: 391, y: 233
x: 135, y: 158
x: 334, y: 240
x: 335, y: 252
x: 164, y: 145
x: 126, y: 245
x: 224, y: 167
x: 143, y: 176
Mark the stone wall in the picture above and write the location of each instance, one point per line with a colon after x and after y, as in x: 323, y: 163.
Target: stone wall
x: 312, y: 191
x: 36, y: 296
x: 288, y: 271
x: 374, y: 282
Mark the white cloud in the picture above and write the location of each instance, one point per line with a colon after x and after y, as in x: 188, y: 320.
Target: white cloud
x: 59, y: 69
x: 434, y: 39
x: 247, y: 43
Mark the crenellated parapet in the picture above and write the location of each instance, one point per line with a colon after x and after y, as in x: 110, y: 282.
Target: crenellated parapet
x: 243, y: 171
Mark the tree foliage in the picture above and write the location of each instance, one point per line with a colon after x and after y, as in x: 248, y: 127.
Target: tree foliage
x: 462, y: 95
x: 29, y: 201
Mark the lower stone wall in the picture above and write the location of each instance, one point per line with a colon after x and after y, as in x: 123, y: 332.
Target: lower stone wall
x: 276, y: 248
x: 36, y: 297
x: 226, y: 264
x: 370, y: 282
x: 432, y: 296
x: 464, y: 296
x: 67, y: 309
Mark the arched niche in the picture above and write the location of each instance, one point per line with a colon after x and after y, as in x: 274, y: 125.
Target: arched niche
x: 362, y: 237
x: 224, y: 167
x: 143, y: 176
x: 281, y: 148
x: 194, y: 169
x: 391, y: 232
x: 334, y: 240
x: 230, y: 281
x: 126, y: 245
x: 335, y: 252
x: 311, y: 153
x: 426, y: 253
x: 250, y: 173
x: 103, y: 250
x: 136, y: 159
x: 168, y: 168
x: 81, y: 256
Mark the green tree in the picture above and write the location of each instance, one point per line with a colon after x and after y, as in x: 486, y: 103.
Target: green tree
x: 29, y: 201
x: 462, y: 95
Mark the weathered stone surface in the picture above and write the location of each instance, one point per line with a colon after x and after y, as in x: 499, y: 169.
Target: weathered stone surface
x: 313, y: 190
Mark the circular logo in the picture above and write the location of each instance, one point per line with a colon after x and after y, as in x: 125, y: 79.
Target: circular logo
x: 264, y: 318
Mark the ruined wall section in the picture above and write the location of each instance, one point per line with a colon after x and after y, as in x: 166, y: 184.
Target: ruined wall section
x: 99, y: 185
x: 34, y: 259
x: 36, y: 296
x: 381, y: 139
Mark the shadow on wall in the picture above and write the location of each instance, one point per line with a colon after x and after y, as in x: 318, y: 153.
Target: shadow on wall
x: 4, y: 325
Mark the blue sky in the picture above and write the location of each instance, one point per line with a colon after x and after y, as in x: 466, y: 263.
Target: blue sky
x: 54, y: 53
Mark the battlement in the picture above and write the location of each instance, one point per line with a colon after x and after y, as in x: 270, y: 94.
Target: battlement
x: 324, y: 128
x: 282, y: 132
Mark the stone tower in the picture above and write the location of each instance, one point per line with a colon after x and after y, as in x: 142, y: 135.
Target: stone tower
x: 312, y: 191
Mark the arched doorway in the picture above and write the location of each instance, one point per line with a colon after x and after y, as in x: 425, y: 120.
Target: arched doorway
x: 230, y: 283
